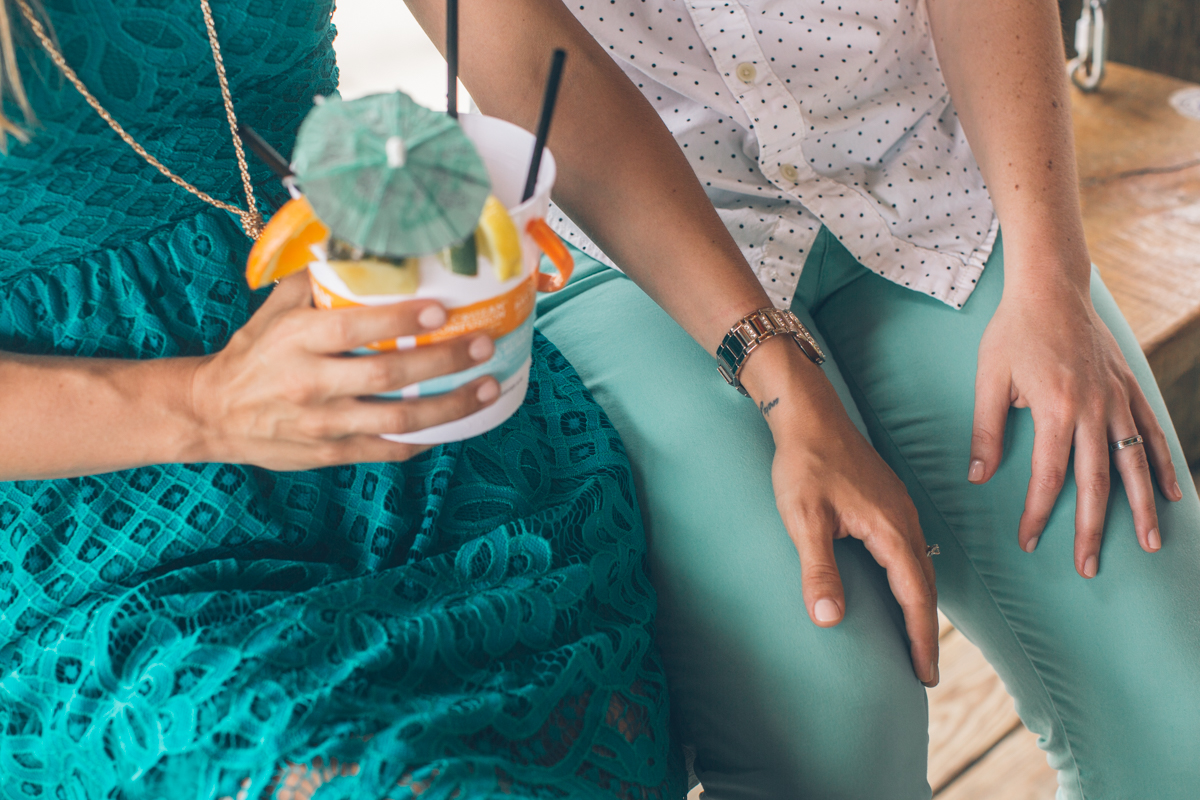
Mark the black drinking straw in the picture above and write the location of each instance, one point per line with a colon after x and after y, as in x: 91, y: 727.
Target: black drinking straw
x: 270, y: 156
x: 543, y: 130
x: 452, y: 58
x: 263, y: 150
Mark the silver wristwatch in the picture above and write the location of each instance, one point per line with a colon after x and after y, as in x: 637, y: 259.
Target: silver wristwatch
x: 754, y: 329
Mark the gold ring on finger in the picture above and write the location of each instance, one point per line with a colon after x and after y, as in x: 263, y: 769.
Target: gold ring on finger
x: 1130, y: 442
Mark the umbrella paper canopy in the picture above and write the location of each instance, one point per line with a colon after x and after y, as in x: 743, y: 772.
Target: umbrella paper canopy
x: 390, y: 176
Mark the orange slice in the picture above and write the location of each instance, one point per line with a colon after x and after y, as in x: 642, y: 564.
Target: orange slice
x: 283, y: 246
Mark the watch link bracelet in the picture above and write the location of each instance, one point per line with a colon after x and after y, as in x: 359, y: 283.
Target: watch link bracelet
x: 752, y: 330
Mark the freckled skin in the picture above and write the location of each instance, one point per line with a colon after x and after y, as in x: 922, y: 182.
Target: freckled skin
x: 1021, y: 120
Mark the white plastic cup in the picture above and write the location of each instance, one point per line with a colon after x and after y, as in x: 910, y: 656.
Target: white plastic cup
x: 481, y: 302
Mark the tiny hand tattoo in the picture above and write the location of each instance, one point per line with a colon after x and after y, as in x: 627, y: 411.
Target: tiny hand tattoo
x: 765, y: 408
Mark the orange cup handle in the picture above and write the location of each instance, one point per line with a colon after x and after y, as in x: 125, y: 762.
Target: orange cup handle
x: 556, y: 251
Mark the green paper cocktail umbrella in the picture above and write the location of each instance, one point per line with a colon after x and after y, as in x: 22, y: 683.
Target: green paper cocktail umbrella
x: 390, y: 176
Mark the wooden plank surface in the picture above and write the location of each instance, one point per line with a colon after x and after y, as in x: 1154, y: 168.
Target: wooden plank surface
x: 1130, y: 125
x: 1144, y: 235
x: 1015, y: 769
x: 1139, y: 173
x: 969, y: 711
x: 944, y: 625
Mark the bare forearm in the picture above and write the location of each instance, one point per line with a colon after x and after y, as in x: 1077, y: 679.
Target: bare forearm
x: 622, y: 177
x: 65, y: 417
x: 1003, y: 63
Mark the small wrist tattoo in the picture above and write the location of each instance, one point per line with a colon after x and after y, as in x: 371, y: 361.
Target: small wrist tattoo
x: 765, y: 408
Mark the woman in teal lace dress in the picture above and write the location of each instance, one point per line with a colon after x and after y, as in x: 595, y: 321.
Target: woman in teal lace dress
x: 472, y: 622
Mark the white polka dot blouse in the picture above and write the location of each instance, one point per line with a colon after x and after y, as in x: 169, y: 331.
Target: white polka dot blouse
x: 802, y: 113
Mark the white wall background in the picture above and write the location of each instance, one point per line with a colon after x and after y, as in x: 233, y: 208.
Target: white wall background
x: 381, y: 48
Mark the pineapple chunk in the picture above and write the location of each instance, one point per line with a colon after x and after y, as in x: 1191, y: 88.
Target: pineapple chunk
x: 373, y: 276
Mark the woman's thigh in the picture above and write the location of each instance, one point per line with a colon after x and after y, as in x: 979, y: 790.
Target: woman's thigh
x: 1106, y: 671
x: 775, y: 706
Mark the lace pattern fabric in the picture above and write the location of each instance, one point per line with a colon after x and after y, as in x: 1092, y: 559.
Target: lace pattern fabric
x: 473, y: 623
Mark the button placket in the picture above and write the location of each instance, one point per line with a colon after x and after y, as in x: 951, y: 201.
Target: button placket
x: 733, y: 46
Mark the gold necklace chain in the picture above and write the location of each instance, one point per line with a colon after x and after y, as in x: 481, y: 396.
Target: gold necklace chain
x: 252, y: 221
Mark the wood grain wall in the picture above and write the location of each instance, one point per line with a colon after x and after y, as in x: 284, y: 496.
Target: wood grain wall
x: 1158, y: 35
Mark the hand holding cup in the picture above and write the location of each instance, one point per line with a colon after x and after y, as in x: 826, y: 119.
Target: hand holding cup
x: 283, y: 395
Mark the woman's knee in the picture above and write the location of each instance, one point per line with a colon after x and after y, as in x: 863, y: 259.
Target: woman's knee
x: 777, y: 707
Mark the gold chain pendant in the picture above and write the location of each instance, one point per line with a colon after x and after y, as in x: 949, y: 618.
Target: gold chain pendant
x: 250, y: 217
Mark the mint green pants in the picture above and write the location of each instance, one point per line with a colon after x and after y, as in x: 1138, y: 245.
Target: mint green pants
x: 1106, y: 671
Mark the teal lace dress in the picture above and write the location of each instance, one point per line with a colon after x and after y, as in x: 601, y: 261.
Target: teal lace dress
x: 473, y: 623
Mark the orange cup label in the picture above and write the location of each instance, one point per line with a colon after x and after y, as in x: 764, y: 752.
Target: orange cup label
x: 497, y: 316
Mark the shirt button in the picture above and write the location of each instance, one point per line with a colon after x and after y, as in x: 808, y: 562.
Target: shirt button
x: 746, y: 72
x: 789, y: 172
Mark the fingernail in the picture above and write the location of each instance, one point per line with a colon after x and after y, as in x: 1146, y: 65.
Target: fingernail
x: 481, y: 349
x: 1089, y: 567
x: 826, y: 610
x: 933, y: 674
x: 1031, y: 545
x: 488, y: 392
x: 1178, y: 492
x: 1153, y: 539
x: 975, y: 473
x: 432, y: 317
